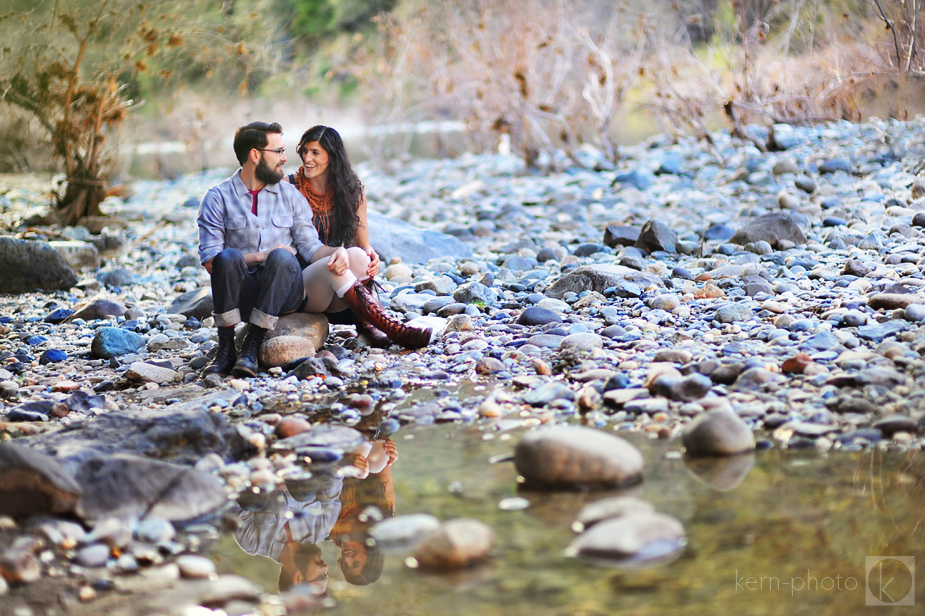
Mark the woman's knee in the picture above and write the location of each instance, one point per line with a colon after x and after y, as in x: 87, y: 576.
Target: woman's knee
x: 358, y: 260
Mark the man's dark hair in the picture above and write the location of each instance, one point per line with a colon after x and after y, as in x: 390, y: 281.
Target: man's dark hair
x: 254, y: 135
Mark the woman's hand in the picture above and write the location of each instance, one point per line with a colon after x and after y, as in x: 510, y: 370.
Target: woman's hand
x: 373, y: 267
x: 391, y: 450
x: 338, y: 262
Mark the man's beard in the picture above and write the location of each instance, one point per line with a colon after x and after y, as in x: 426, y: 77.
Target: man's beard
x: 265, y: 174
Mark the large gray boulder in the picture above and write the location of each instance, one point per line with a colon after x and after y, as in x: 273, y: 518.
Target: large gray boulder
x: 131, y: 487
x: 182, y: 432
x: 32, y: 483
x: 32, y: 265
x: 395, y: 238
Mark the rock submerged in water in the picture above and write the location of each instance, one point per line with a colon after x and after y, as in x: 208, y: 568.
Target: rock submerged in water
x: 719, y: 432
x: 574, y: 457
x: 457, y: 544
x: 633, y: 540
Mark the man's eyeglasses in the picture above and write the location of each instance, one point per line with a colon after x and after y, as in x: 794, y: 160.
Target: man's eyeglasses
x: 277, y: 151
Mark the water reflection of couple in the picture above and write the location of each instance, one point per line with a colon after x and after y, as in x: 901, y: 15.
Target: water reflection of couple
x: 289, y: 524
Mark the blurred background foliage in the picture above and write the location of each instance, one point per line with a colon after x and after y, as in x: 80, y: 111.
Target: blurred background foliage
x: 535, y: 76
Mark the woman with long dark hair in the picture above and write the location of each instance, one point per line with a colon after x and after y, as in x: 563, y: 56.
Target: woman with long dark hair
x: 335, y: 194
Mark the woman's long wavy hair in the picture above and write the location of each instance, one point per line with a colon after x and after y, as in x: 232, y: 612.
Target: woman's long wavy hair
x: 347, y: 187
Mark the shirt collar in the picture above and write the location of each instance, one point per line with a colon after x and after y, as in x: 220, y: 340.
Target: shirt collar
x: 241, y: 189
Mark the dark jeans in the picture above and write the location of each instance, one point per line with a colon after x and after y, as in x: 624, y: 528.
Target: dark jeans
x: 259, y: 295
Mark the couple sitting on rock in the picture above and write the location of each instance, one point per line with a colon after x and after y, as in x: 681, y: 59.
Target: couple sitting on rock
x: 274, y: 247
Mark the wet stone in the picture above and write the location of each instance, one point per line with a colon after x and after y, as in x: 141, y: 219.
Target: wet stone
x: 719, y: 432
x: 573, y: 457
x: 635, y: 538
x: 404, y: 531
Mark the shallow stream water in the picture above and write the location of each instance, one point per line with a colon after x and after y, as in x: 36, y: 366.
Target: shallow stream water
x: 775, y: 532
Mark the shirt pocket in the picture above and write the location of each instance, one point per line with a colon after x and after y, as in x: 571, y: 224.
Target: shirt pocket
x: 234, y: 223
x: 283, y: 221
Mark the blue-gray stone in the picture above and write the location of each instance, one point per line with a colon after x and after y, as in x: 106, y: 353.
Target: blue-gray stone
x: 640, y: 181
x: 52, y: 356
x: 833, y: 165
x: 31, y: 265
x: 58, y: 315
x: 112, y: 342
x: 534, y: 315
x: 823, y: 341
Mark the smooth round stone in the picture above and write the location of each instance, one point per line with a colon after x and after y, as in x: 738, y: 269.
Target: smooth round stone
x: 612, y: 507
x: 404, y: 531
x: 95, y: 555
x: 154, y: 530
x: 666, y: 302
x: 283, y: 350
x: 805, y: 183
x: 456, y: 544
x: 489, y: 365
x: 634, y: 539
x: 896, y: 423
x: 581, y: 342
x: 719, y: 432
x: 398, y: 270
x: 545, y: 341
x: 672, y: 356
x: 576, y: 457
x: 195, y: 567
x: 732, y: 313
x: 553, y: 304
x: 915, y: 313
x: 537, y: 315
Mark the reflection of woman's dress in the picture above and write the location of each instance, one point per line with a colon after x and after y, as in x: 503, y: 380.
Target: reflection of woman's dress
x: 263, y: 531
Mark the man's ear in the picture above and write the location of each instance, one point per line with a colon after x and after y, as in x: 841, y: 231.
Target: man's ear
x: 254, y: 156
x: 297, y: 578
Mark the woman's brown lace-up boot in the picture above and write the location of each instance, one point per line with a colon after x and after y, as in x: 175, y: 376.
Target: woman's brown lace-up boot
x: 366, y: 308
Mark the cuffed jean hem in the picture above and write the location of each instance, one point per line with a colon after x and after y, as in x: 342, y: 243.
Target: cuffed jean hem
x: 261, y: 319
x: 227, y: 319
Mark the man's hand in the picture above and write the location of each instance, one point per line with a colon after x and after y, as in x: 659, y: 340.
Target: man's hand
x: 338, y: 262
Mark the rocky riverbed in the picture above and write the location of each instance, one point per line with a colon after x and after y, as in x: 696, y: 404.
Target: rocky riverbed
x: 716, y: 296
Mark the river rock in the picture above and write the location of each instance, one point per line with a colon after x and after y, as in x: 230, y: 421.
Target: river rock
x: 282, y: 350
x: 196, y: 303
x: 575, y: 456
x: 32, y: 265
x: 719, y: 432
x: 129, y: 487
x: 112, y: 342
x: 620, y: 235
x: 143, y: 371
x: 599, y: 278
x: 633, y: 539
x: 535, y: 315
x: 612, y: 507
x: 182, y: 432
x: 656, y: 236
x: 98, y: 308
x: 772, y: 228
x: 313, y: 327
x: 33, y: 483
x: 457, y: 544
x: 404, y: 531
x: 80, y: 256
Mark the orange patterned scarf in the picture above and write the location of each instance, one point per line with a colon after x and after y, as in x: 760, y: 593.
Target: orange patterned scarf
x: 321, y: 203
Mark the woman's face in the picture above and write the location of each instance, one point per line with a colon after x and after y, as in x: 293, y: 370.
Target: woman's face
x: 352, y: 556
x: 315, y: 160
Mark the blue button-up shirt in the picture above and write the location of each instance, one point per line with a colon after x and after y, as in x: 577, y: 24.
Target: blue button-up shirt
x: 283, y: 217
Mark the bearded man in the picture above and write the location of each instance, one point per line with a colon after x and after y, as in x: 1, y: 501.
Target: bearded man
x: 253, y: 229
